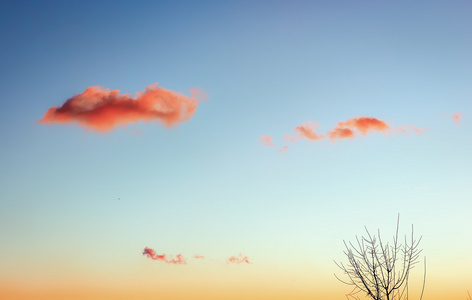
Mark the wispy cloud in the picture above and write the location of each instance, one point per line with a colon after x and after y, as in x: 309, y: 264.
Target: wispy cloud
x: 456, y: 117
x: 266, y: 140
x: 306, y: 130
x: 407, y: 129
x: 102, y: 110
x: 351, y: 128
x: 151, y: 253
x: 239, y: 259
x: 179, y: 260
x: 198, y: 256
x: 284, y: 148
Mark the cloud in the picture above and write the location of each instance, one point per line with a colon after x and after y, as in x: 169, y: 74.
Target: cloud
x: 238, y: 259
x: 340, y: 133
x: 102, y: 110
x: 266, y: 140
x: 198, y: 256
x: 306, y: 130
x: 349, y: 129
x: 456, y: 117
x: 407, y: 128
x: 284, y: 148
x: 364, y: 124
x: 151, y: 253
x: 179, y: 261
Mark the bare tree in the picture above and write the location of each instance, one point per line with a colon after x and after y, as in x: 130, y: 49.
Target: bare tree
x: 380, y: 270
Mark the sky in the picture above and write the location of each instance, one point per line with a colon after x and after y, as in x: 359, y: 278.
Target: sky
x: 226, y: 149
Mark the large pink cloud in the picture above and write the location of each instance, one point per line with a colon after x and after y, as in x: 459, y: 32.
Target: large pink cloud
x: 102, y: 110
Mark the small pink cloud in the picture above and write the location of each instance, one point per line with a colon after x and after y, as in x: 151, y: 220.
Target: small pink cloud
x: 151, y: 253
x: 306, y: 130
x: 198, y: 256
x: 349, y: 129
x: 238, y: 259
x: 180, y: 260
x: 364, y: 124
x: 456, y: 117
x: 407, y: 128
x: 284, y: 148
x: 340, y: 133
x: 266, y: 140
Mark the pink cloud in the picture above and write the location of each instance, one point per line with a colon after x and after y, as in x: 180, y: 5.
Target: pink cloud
x: 180, y: 260
x: 456, y: 117
x: 284, y: 148
x: 306, y: 130
x: 364, y: 124
x: 348, y: 129
x: 151, y: 253
x: 407, y: 128
x: 340, y: 133
x: 102, y: 110
x: 198, y: 256
x: 266, y: 140
x: 238, y: 259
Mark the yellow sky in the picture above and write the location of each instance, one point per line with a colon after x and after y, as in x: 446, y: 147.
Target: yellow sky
x: 215, y: 285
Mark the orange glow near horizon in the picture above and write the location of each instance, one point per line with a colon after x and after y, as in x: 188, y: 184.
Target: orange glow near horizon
x: 214, y: 289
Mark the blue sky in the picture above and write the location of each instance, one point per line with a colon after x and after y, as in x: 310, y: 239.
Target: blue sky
x: 208, y: 185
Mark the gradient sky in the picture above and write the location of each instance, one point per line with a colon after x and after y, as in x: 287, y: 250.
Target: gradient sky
x: 77, y: 206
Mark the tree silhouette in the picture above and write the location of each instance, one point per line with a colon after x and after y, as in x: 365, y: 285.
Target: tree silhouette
x: 379, y: 270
